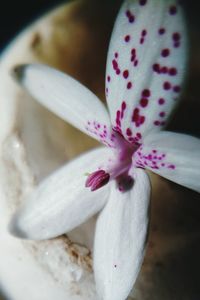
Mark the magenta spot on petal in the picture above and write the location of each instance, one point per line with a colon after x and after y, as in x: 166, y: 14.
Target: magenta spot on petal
x: 161, y: 101
x: 128, y: 132
x: 123, y: 105
x: 143, y: 2
x: 115, y: 64
x: 165, y: 52
x: 118, y: 114
x: 144, y: 32
x: 171, y: 167
x: 157, y: 123
x: 164, y: 70
x: 142, y: 119
x: 176, y: 36
x: 167, y: 85
x: 138, y: 134
x: 133, y: 52
x: 173, y: 72
x: 118, y: 71
x: 156, y: 68
x: 176, y: 45
x: 126, y: 74
x: 127, y: 38
x: 116, y: 54
x: 142, y: 41
x: 137, y: 118
x: 129, y: 85
x: 177, y: 89
x: 144, y: 102
x: 173, y: 10
x: 135, y: 114
x: 130, y: 16
x: 108, y: 78
x: 146, y: 93
x: 161, y: 31
x: 162, y: 114
x: 136, y: 63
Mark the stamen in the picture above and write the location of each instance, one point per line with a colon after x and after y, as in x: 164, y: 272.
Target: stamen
x: 97, y: 179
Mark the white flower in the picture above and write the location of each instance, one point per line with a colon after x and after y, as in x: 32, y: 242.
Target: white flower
x: 145, y: 69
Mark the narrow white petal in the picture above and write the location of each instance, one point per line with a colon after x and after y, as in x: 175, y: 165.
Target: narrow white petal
x: 174, y: 156
x: 61, y: 202
x: 120, y: 239
x: 67, y: 98
x: 145, y: 66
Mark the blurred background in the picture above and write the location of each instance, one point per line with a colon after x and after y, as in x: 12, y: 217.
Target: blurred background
x: 14, y: 15
x: 17, y: 14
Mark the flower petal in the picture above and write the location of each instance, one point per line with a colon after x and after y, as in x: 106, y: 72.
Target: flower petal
x: 145, y: 66
x: 120, y: 239
x: 67, y: 98
x: 172, y: 155
x: 62, y: 202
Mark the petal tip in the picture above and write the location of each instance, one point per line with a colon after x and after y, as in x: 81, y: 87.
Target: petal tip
x: 18, y: 72
x: 16, y: 229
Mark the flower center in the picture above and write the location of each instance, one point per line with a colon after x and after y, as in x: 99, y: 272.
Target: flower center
x: 118, y: 169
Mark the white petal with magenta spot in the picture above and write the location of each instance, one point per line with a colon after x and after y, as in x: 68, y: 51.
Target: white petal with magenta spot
x: 62, y: 202
x: 120, y: 239
x: 145, y: 66
x: 67, y: 98
x: 174, y: 156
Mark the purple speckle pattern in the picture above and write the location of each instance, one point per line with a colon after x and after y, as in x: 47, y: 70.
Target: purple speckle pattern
x: 153, y: 160
x: 149, y: 100
x: 173, y: 10
x: 130, y: 16
x: 142, y: 2
x: 102, y: 132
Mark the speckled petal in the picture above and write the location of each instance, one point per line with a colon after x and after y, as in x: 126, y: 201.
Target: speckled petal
x: 172, y: 155
x: 67, y: 98
x: 145, y: 66
x: 120, y: 239
x: 62, y: 202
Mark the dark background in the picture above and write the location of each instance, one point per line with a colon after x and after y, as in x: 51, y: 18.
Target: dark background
x: 14, y: 15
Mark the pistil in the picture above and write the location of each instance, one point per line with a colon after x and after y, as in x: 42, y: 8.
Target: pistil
x: 119, y: 168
